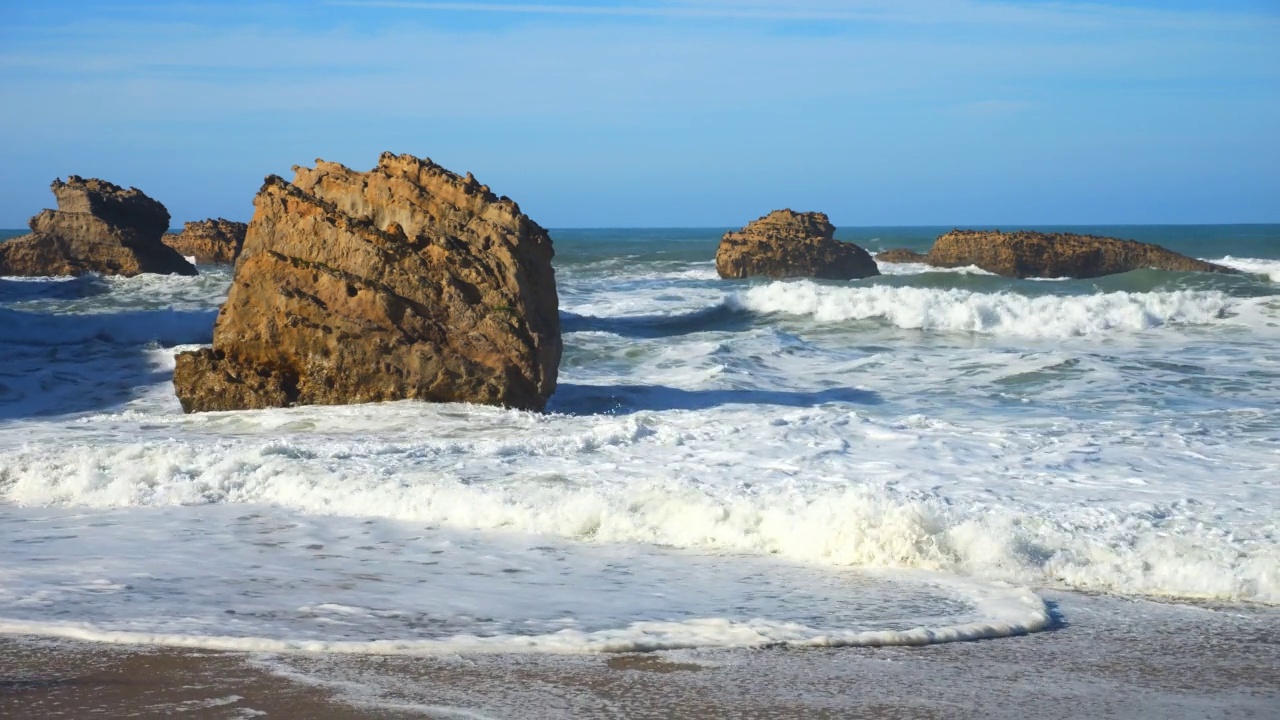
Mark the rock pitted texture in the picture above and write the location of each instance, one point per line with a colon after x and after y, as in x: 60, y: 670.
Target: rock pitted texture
x: 209, y: 241
x: 405, y: 282
x: 786, y: 244
x: 1024, y: 254
x: 98, y: 227
x: 901, y: 255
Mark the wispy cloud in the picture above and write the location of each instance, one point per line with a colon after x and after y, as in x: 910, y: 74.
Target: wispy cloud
x: 738, y: 12
x: 1062, y: 15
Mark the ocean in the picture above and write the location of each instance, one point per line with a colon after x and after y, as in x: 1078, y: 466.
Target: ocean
x: 915, y: 458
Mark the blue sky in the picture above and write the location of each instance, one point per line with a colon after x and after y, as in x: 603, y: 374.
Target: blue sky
x: 665, y: 112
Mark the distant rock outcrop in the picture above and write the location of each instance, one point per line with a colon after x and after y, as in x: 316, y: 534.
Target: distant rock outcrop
x: 209, y: 241
x: 98, y: 227
x: 788, y: 244
x: 1024, y: 254
x: 901, y: 255
x: 405, y: 282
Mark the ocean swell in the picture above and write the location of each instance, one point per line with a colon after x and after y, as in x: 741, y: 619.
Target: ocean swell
x: 1002, y: 313
x: 1141, y: 548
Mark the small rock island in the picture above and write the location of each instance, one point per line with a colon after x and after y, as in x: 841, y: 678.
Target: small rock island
x: 213, y: 241
x: 789, y: 244
x: 99, y: 227
x: 1030, y: 254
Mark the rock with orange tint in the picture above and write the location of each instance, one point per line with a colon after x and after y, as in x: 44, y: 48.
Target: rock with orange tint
x: 99, y: 227
x: 788, y: 244
x: 212, y: 241
x: 404, y: 282
x: 1025, y: 254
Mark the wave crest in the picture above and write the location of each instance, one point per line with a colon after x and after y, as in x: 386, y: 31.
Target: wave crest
x: 990, y: 313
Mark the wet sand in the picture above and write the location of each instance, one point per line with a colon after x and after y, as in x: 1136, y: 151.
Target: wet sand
x: 1107, y: 657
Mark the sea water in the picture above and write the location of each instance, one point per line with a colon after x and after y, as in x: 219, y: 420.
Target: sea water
x: 904, y: 459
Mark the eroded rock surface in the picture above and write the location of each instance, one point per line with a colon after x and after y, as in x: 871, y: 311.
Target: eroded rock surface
x: 405, y: 282
x: 209, y: 241
x: 98, y: 227
x: 787, y: 244
x: 1024, y: 254
x: 901, y: 255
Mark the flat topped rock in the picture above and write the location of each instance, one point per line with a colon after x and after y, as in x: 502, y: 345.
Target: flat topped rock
x: 98, y: 227
x: 112, y: 203
x: 404, y: 282
x: 209, y: 241
x: 1025, y: 253
x: 789, y: 244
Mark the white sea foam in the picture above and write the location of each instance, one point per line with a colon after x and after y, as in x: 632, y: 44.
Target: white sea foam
x: 593, y: 479
x: 993, y: 313
x: 1269, y: 268
x: 1012, y: 611
x: 889, y: 268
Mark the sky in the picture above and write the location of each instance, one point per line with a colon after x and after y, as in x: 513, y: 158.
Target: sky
x: 664, y: 113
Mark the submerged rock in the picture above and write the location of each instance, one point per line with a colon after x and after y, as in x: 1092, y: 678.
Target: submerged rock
x: 787, y: 244
x: 405, y: 282
x: 901, y: 255
x: 98, y: 227
x: 209, y: 241
x: 1025, y: 253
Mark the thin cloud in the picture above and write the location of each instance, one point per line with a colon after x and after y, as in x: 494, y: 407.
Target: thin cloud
x: 926, y: 12
x: 667, y: 11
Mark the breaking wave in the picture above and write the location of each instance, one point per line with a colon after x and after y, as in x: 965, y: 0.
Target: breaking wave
x: 1001, y: 313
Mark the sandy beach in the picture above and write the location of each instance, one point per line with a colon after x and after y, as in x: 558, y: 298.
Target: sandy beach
x: 1107, y: 657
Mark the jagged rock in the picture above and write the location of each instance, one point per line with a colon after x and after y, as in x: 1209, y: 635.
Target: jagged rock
x: 209, y: 241
x: 98, y: 227
x: 786, y: 244
x: 901, y: 255
x: 1025, y: 253
x: 405, y: 282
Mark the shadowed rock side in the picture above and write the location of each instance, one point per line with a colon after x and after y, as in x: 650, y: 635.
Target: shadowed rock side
x: 787, y: 244
x: 98, y: 227
x: 1024, y: 254
x: 405, y: 282
x: 901, y: 255
x: 209, y: 241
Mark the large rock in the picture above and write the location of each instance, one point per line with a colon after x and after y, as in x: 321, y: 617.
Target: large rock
x: 787, y: 244
x: 1024, y: 254
x: 98, y: 227
x: 209, y: 241
x: 407, y: 281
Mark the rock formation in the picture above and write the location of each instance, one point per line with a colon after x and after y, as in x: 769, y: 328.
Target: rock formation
x: 901, y: 255
x: 1024, y: 254
x: 98, y: 227
x: 787, y: 244
x: 407, y: 281
x: 209, y: 241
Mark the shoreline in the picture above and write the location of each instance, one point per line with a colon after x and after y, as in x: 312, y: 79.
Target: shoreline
x: 1107, y: 656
